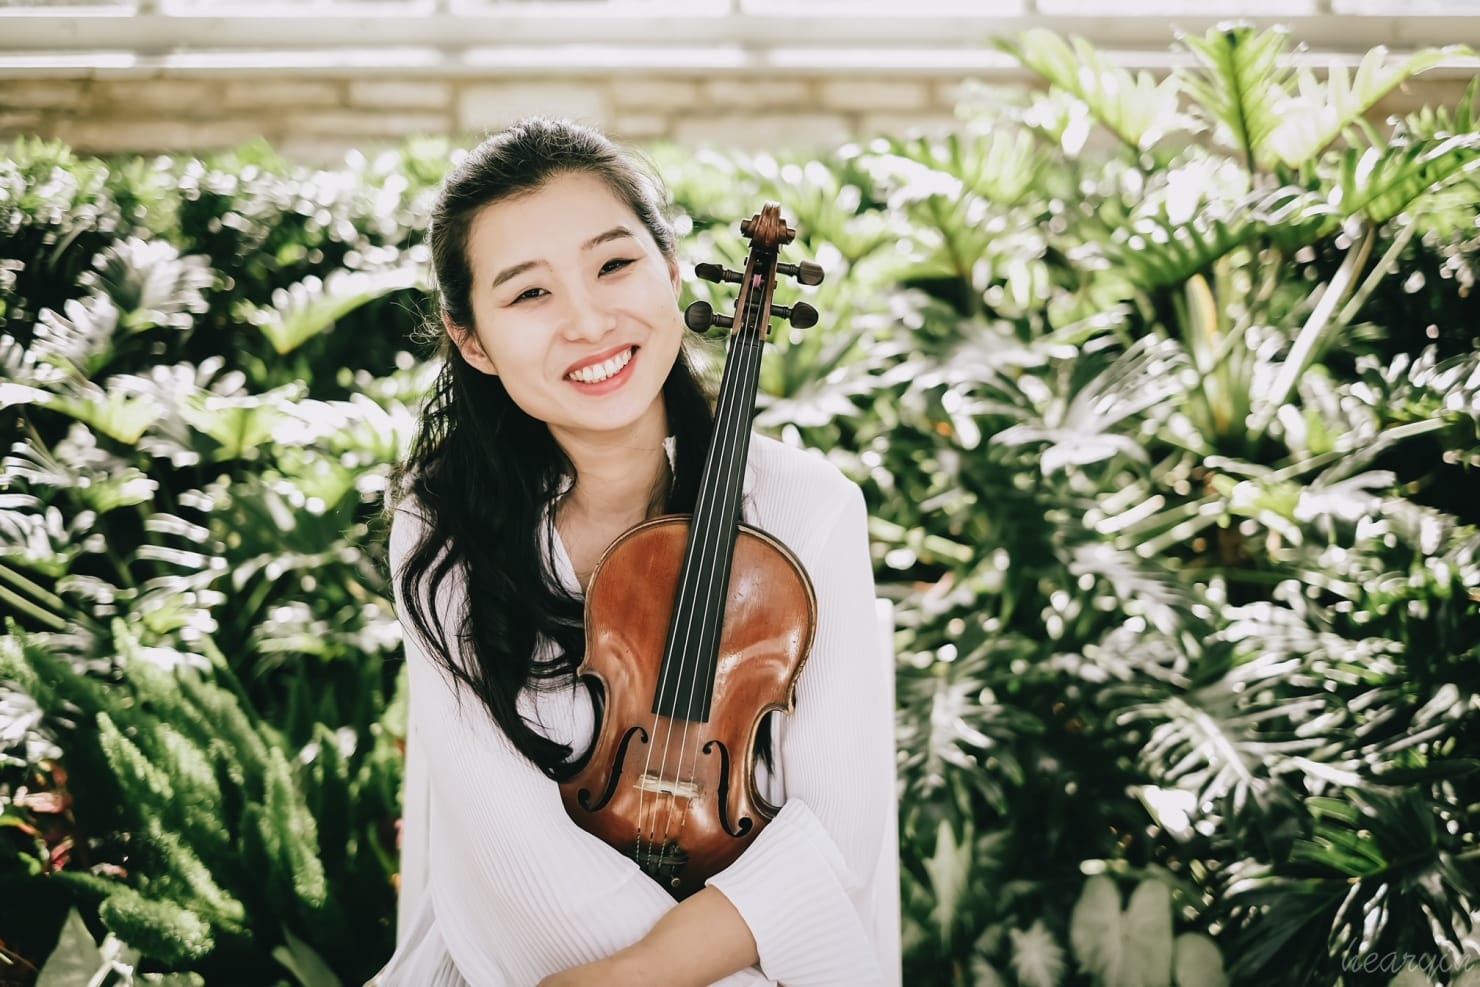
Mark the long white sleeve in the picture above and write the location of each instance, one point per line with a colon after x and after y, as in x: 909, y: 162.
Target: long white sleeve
x: 803, y: 885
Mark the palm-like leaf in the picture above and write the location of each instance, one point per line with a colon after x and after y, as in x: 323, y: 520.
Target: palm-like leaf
x: 1241, y: 85
x: 1079, y: 431
x: 121, y: 416
x: 956, y: 729
x: 100, y: 480
x: 239, y: 426
x: 1374, y: 859
x: 80, y: 340
x: 1197, y: 218
x: 1002, y: 166
x: 1320, y: 328
x: 1319, y: 113
x: 1222, y: 740
x: 961, y: 241
x: 308, y: 308
x: 152, y: 285
x: 1380, y: 183
x: 1225, y: 366
x: 1137, y: 109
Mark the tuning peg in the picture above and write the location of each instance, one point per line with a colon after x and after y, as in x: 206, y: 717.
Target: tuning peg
x: 717, y: 274
x: 806, y: 272
x: 701, y: 317
x: 801, y: 315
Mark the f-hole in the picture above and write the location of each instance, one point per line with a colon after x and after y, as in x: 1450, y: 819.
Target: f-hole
x: 584, y: 795
x: 724, y: 792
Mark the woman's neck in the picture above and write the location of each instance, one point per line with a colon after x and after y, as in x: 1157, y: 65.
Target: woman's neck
x: 619, y: 481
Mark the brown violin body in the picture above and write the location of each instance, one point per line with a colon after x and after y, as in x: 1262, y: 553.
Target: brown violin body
x: 697, y: 627
x: 678, y: 796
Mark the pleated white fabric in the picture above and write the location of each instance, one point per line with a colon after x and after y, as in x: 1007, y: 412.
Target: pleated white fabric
x: 500, y: 889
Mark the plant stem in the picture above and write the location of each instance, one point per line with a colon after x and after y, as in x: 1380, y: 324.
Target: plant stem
x: 1374, y: 278
x: 1313, y: 334
x: 1381, y: 443
x: 22, y: 583
x: 27, y: 607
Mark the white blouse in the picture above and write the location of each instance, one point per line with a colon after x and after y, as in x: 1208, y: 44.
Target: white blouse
x: 500, y: 889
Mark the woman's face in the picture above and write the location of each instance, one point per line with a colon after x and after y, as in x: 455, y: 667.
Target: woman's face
x: 576, y: 310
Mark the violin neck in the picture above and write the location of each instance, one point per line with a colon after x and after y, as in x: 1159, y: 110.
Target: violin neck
x: 690, y: 660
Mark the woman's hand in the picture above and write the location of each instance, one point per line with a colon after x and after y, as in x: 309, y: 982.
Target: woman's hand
x: 699, y: 941
x: 604, y: 972
x: 635, y: 966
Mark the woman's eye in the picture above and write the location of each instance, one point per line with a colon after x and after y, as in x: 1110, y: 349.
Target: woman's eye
x: 528, y: 294
x: 615, y: 264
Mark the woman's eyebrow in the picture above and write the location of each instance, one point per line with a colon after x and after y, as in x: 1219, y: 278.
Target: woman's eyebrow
x: 615, y: 233
x: 510, y: 273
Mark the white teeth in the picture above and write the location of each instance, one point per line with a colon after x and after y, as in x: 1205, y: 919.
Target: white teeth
x: 601, y: 371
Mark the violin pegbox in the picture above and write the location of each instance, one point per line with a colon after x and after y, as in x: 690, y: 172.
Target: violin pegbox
x: 767, y: 233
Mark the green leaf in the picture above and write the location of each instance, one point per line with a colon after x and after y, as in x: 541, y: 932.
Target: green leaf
x: 240, y: 426
x: 1147, y: 930
x: 78, y: 340
x: 1197, y: 962
x: 1095, y: 928
x: 1241, y: 85
x: 1379, y: 183
x: 312, y: 306
x: 152, y: 285
x: 118, y: 415
x: 305, y: 964
x: 1081, y: 430
x: 1321, y: 112
x: 13, y: 394
x: 1195, y: 216
x: 1318, y: 332
x: 1137, y: 109
x: 1037, y: 960
x: 949, y: 870
x: 76, y: 960
x: 161, y: 930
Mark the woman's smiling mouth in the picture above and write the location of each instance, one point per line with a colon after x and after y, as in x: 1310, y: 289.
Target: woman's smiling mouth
x: 604, y: 370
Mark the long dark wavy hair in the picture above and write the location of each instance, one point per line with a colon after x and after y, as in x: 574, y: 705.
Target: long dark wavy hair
x: 483, y: 474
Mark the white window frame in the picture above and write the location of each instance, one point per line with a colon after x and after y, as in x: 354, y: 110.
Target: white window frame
x: 574, y: 36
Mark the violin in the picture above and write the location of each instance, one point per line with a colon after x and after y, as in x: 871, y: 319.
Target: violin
x: 697, y: 627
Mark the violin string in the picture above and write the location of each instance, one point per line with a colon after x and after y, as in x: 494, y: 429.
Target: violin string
x: 706, y: 540
x: 736, y: 432
x: 702, y: 511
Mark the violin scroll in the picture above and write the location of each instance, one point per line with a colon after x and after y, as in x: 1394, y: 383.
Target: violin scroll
x: 767, y: 233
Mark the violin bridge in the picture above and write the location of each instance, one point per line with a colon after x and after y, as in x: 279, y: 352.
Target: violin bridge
x: 659, y: 785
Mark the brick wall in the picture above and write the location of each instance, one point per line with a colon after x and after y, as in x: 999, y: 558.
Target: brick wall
x: 316, y: 117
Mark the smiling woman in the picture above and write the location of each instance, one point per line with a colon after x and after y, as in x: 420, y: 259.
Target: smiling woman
x: 565, y: 414
x: 573, y: 301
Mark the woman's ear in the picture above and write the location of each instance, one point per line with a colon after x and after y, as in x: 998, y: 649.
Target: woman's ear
x: 469, y: 346
x: 677, y: 281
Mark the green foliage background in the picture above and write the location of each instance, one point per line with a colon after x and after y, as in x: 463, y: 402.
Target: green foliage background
x: 1166, y: 401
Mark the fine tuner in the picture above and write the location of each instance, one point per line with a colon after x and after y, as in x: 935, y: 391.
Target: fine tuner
x: 701, y: 316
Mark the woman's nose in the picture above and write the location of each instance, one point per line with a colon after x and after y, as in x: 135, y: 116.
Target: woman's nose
x: 587, y: 318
